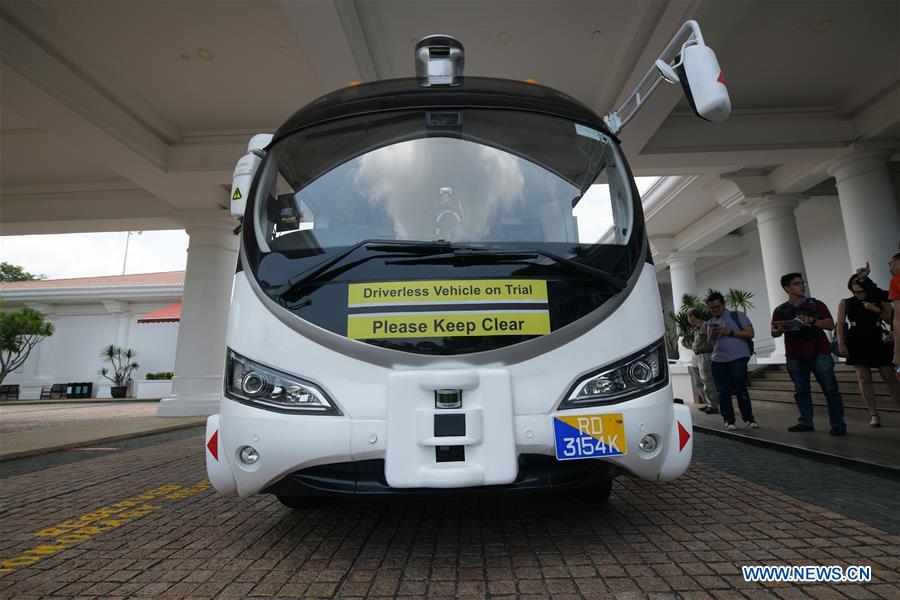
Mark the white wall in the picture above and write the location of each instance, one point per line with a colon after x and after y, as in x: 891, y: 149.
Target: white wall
x: 825, y: 254
x: 155, y: 345
x: 77, y: 344
x: 744, y: 272
x: 825, y: 257
x: 82, y: 331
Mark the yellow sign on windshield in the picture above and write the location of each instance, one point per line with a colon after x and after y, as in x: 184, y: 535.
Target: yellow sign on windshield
x: 455, y: 290
x: 450, y: 308
x: 413, y: 325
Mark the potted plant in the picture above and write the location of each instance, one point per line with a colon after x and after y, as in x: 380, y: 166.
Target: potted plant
x: 122, y: 363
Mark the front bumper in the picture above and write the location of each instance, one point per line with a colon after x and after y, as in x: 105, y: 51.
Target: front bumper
x: 536, y: 472
x: 302, y: 454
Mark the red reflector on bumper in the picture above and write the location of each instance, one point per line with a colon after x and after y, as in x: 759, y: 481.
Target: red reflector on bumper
x: 213, y: 445
x: 683, y: 436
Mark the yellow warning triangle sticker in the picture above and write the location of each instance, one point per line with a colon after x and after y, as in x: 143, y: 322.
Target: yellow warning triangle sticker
x: 237, y: 194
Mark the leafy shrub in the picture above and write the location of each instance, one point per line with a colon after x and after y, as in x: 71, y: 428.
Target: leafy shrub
x: 159, y: 375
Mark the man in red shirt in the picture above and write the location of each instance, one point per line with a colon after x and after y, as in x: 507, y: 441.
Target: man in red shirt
x: 803, y: 321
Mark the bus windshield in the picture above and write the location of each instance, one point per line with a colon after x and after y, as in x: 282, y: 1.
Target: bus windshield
x: 481, y: 177
x: 442, y: 198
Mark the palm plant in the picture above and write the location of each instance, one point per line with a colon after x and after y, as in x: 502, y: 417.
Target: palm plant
x: 677, y: 323
x: 736, y: 299
x: 122, y: 362
x: 739, y: 299
x: 689, y: 301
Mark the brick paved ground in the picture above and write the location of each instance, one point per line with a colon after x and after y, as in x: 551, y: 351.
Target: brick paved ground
x: 869, y: 498
x: 24, y: 417
x: 684, y: 539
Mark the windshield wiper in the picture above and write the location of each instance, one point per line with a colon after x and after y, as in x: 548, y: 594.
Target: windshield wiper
x: 407, y: 247
x: 473, y: 256
x: 410, y: 246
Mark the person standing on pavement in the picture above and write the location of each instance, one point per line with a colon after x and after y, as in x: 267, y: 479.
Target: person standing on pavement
x: 731, y: 333
x: 702, y: 348
x: 862, y: 341
x: 803, y: 321
x: 892, y: 296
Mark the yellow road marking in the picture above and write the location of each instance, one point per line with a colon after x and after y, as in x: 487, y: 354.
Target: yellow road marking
x: 68, y: 533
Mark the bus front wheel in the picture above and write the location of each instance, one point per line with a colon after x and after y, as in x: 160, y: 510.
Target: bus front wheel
x: 597, y: 493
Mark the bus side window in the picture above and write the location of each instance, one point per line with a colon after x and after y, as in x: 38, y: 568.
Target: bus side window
x: 621, y: 204
x: 593, y: 215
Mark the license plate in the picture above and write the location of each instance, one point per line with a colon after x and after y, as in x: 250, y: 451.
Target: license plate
x: 589, y: 436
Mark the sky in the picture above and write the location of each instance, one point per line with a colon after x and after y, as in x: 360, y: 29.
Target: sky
x: 95, y: 254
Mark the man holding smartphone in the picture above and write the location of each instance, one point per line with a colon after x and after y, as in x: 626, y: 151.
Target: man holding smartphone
x: 731, y: 333
x: 803, y: 322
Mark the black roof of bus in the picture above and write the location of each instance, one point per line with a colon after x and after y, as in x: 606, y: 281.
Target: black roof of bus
x: 406, y: 93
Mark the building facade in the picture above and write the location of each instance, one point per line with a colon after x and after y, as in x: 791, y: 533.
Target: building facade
x: 90, y: 313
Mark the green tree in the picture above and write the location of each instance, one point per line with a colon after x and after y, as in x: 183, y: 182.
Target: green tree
x: 11, y: 272
x: 20, y: 332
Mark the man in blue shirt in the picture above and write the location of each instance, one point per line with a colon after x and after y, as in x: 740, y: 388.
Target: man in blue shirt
x: 731, y: 333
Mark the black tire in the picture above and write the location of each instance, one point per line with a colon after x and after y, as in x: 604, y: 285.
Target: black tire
x: 597, y: 493
x: 301, y: 502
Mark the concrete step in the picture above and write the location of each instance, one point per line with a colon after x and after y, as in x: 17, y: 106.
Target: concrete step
x: 848, y: 388
x: 851, y: 401
x: 842, y: 377
x: 839, y: 367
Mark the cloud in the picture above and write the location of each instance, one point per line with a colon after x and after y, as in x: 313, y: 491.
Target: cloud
x: 96, y: 254
x: 408, y: 179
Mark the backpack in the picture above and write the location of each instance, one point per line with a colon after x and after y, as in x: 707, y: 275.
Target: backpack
x: 810, y: 307
x: 734, y: 318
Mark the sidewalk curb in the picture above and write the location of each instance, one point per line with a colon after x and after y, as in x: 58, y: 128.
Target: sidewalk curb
x: 4, y: 456
x: 77, y: 401
x: 855, y: 464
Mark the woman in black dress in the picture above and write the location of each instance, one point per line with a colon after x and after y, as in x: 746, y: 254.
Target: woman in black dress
x: 861, y: 338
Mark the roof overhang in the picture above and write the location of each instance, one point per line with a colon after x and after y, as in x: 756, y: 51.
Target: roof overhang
x: 166, y: 314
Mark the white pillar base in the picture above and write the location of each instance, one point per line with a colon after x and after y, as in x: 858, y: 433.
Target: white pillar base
x: 200, y: 405
x: 195, y: 397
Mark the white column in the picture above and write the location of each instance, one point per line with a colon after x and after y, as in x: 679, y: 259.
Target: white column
x: 869, y: 210
x: 684, y: 281
x: 123, y: 321
x: 43, y: 371
x: 781, y: 254
x: 200, y: 353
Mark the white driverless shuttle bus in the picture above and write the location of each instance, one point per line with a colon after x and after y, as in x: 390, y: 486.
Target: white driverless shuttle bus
x: 445, y: 283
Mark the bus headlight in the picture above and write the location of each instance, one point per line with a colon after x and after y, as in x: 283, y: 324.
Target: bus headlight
x: 252, y: 383
x: 640, y: 373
